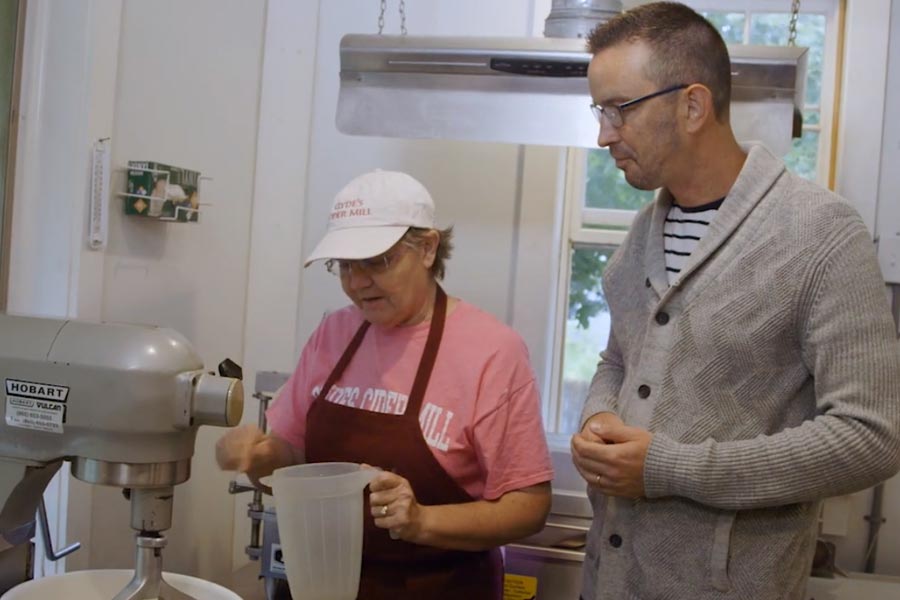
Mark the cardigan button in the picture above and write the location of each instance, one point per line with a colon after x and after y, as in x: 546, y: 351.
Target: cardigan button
x: 644, y: 391
x: 615, y: 540
x: 647, y: 282
x: 662, y: 318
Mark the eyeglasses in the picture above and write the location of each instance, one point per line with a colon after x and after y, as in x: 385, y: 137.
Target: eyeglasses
x: 376, y: 265
x: 613, y: 112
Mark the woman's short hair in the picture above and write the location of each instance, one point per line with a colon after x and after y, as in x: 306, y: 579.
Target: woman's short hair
x: 416, y: 236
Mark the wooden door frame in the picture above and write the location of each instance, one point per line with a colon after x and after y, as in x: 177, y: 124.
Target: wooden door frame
x: 9, y: 186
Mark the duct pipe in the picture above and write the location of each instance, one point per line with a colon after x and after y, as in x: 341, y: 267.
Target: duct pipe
x: 577, y: 18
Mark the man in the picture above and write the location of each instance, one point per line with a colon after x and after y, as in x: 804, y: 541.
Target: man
x: 752, y: 368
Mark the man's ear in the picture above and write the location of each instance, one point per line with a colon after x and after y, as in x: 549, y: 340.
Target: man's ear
x: 699, y: 107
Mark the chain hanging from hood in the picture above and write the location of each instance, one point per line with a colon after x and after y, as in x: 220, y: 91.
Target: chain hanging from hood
x: 401, y: 9
x: 792, y: 26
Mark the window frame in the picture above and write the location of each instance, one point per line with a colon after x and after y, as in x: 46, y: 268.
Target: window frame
x: 6, y: 201
x: 574, y: 234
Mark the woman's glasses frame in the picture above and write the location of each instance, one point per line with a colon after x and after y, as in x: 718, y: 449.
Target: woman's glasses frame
x: 377, y: 265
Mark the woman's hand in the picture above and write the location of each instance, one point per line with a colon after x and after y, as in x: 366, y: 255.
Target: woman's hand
x: 247, y: 449
x: 393, y: 504
x: 235, y: 449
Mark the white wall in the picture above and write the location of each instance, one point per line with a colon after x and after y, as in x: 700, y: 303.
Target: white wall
x: 285, y: 122
x: 187, y: 95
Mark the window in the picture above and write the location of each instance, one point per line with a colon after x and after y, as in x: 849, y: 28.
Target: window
x: 600, y: 204
x: 764, y: 26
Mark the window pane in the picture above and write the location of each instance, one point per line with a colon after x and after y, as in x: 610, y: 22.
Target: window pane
x: 812, y: 117
x: 606, y: 186
x: 730, y: 25
x: 587, y: 331
x: 811, y: 34
x: 803, y: 155
x: 771, y: 29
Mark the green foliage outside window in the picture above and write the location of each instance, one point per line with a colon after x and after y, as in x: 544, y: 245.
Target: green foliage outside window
x: 606, y: 186
x: 585, y: 297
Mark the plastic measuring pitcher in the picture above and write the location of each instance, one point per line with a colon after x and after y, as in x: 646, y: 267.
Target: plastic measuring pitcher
x: 319, y: 508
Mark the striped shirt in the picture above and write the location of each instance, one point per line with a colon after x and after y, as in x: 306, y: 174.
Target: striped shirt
x: 683, y: 230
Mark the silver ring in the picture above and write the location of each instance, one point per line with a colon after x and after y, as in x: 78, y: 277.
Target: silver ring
x: 597, y: 478
x: 384, y: 510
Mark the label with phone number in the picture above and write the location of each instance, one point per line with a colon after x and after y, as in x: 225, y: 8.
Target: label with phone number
x: 36, y: 414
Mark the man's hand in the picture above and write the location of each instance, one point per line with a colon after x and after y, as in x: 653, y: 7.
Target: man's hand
x: 610, y: 455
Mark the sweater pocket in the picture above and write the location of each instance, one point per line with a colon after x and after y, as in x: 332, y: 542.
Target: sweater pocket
x: 721, y: 546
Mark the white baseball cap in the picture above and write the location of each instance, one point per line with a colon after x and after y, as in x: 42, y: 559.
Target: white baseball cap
x: 371, y: 213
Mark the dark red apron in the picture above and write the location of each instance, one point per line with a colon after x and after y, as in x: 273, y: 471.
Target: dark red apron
x: 394, y: 569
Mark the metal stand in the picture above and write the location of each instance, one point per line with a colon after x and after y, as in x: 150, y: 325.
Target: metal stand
x: 147, y: 582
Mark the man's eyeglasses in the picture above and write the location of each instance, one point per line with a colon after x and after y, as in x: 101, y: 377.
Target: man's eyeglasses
x: 365, y: 266
x: 613, y: 112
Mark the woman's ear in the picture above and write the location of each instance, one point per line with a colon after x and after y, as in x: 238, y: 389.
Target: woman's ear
x: 430, y: 246
x: 699, y: 107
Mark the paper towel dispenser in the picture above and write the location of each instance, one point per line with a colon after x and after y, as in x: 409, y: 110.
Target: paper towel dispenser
x: 529, y: 90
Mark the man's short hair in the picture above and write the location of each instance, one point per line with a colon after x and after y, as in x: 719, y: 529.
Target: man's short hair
x: 686, y: 48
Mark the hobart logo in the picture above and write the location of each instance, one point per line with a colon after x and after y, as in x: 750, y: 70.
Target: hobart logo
x: 41, y: 391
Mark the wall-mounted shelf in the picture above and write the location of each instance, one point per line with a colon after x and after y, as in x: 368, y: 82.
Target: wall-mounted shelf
x: 162, y: 192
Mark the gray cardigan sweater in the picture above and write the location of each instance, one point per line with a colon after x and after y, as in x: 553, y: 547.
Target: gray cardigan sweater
x: 772, y: 382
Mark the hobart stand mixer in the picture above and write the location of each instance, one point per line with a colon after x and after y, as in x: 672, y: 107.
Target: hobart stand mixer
x: 123, y: 404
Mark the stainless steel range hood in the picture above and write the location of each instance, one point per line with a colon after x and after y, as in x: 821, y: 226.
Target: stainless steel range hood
x: 528, y: 90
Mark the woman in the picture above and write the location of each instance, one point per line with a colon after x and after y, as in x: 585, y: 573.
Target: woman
x: 432, y: 390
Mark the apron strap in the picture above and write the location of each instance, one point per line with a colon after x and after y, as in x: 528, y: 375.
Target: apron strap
x: 429, y: 355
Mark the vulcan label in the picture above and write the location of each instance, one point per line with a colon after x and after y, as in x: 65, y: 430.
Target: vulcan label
x: 37, y: 406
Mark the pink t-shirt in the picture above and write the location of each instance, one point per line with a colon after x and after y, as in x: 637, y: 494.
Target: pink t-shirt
x: 481, y: 413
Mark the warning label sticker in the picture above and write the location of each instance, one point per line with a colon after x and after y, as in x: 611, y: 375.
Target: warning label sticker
x: 37, y: 406
x: 519, y: 587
